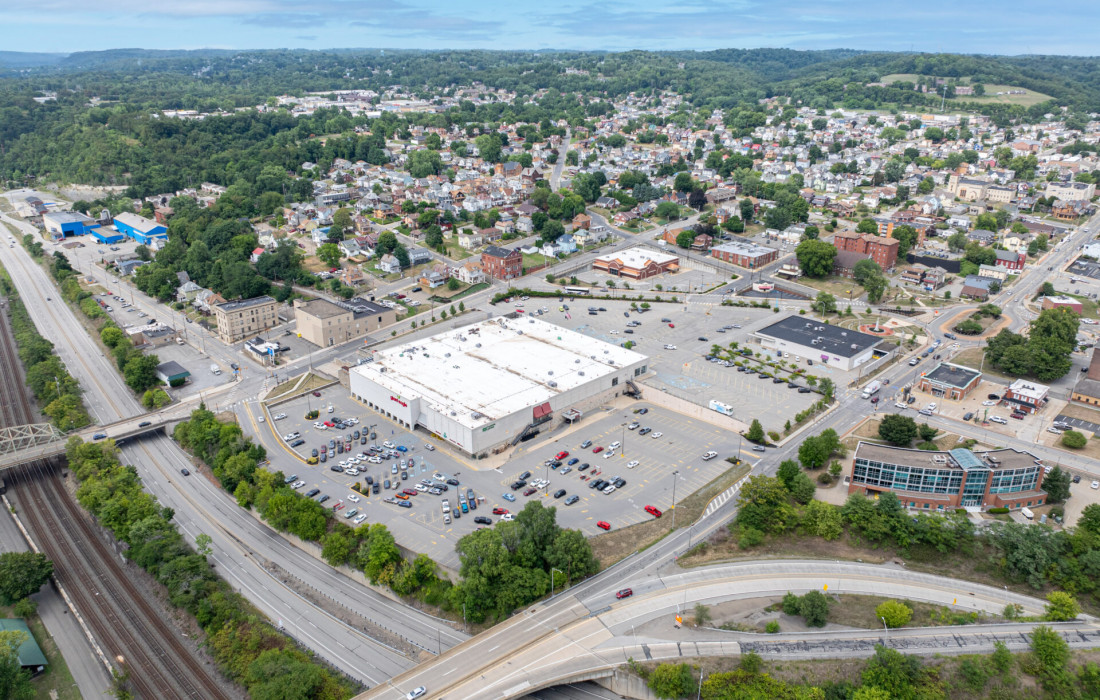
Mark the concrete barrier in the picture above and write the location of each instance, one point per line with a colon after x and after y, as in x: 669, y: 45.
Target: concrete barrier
x: 628, y: 685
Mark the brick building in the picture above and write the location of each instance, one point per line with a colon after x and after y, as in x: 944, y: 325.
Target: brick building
x: 745, y: 254
x: 884, y: 251
x: 950, y: 381
x: 1025, y: 396
x: 501, y: 263
x: 1063, y: 302
x: 239, y: 319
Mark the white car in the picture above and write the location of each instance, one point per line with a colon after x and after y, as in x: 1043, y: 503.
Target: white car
x: 374, y: 459
x: 608, y: 455
x: 632, y: 463
x: 670, y: 347
x: 352, y: 471
x: 610, y: 488
x: 279, y: 416
x: 709, y: 456
x: 989, y: 403
x: 322, y: 426
x: 330, y: 408
x: 292, y: 436
x: 998, y: 419
x: 614, y: 446
x: 388, y: 445
x: 614, y: 332
x: 1089, y: 321
x: 657, y: 435
x: 900, y: 405
x: 429, y: 447
x: 353, y: 498
x: 415, y: 693
x: 298, y: 484
x: 360, y: 518
x: 1054, y: 430
x: 931, y: 406
x: 507, y: 517
x: 1095, y: 484
x: 519, y: 303
x: 262, y: 419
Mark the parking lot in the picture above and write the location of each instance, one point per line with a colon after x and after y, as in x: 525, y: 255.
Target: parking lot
x: 678, y: 446
x: 683, y: 370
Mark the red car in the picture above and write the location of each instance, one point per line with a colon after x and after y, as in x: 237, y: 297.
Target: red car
x: 409, y: 492
x: 329, y: 424
x: 499, y: 511
x: 624, y: 593
x: 529, y: 491
x: 603, y: 525
x: 562, y: 455
x: 519, y: 311
x: 1018, y: 416
x: 653, y: 511
x: 672, y: 325
x: 597, y: 449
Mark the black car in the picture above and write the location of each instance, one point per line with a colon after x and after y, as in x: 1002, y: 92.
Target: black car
x: 778, y: 380
x: 322, y: 499
x: 336, y: 468
x: 643, y: 411
x: 523, y: 476
x: 763, y: 375
x: 482, y: 520
x: 185, y: 472
x: 702, y: 339
x: 454, y: 482
x: 619, y: 482
x: 803, y: 390
x: 370, y: 480
x: 993, y: 397
x: 952, y: 336
x: 386, y: 485
x: 144, y: 423
x: 597, y: 484
x: 298, y: 442
x: 582, y: 467
x: 314, y: 452
x: 404, y: 476
x: 559, y: 493
x: 517, y: 485
x: 374, y: 488
x: 312, y: 492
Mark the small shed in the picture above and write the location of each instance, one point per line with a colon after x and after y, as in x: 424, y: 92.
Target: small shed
x: 172, y: 373
x: 31, y: 657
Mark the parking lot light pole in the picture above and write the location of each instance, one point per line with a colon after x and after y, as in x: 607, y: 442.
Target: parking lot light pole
x: 675, y: 474
x: 887, y: 629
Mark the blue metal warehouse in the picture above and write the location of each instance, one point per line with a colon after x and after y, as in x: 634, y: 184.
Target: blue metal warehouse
x: 62, y: 224
x: 139, y: 228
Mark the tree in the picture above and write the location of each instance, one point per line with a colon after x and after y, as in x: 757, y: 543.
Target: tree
x: 957, y: 241
x: 202, y: 544
x: 685, y: 238
x: 22, y: 574
x: 1090, y: 518
x: 671, y: 680
x: 140, y: 371
x: 867, y: 226
x: 748, y: 210
x: 668, y: 210
x: 756, y: 432
x: 329, y: 254
x: 907, y: 238
x: 1056, y: 484
x: 802, y: 489
x: 1061, y: 606
x: 928, y: 433
x: 824, y: 303
x: 788, y: 470
x: 897, y: 429
x: 813, y: 452
x: 815, y: 257
x: 865, y: 269
x: 814, y: 608
x: 894, y: 612
x: 826, y: 386
x: 15, y: 683
x: 764, y: 505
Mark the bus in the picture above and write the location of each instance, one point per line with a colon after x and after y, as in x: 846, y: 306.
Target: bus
x: 577, y: 291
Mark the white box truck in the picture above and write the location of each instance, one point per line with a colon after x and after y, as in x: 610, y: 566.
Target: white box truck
x: 215, y: 369
x: 1026, y: 512
x: 872, y: 389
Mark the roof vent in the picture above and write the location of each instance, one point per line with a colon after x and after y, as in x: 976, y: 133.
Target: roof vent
x: 478, y: 345
x: 550, y: 372
x: 553, y: 384
x: 446, y: 354
x: 581, y: 373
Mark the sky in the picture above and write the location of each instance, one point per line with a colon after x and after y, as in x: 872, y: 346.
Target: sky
x: 957, y: 26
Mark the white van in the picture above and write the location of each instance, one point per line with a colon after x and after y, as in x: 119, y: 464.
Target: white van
x: 215, y: 369
x: 1026, y: 512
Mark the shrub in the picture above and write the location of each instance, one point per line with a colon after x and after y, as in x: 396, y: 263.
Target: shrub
x: 997, y: 511
x: 894, y: 613
x: 772, y: 627
x: 1074, y: 439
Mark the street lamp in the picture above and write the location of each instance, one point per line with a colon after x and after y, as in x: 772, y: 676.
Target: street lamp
x: 887, y: 630
x: 675, y: 474
x: 622, y: 441
x: 552, y: 570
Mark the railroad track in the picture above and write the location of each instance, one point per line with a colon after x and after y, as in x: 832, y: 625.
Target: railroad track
x: 127, y: 627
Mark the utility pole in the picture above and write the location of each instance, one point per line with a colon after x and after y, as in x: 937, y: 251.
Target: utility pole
x: 675, y: 474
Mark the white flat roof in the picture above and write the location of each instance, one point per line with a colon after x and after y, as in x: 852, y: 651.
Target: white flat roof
x: 636, y: 258
x: 494, y: 368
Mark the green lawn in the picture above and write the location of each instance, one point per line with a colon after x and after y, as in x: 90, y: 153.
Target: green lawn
x: 454, y: 250
x: 1088, y: 306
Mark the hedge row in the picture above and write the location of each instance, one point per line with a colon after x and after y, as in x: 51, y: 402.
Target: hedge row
x: 47, y: 376
x: 245, y: 646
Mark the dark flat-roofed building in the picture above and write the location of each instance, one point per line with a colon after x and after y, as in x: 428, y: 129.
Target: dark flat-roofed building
x: 817, y: 341
x: 958, y: 478
x: 950, y: 381
x: 172, y: 371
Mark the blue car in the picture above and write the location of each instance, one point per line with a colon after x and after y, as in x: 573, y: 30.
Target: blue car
x: 402, y: 448
x: 99, y: 436
x: 508, y: 497
x: 572, y: 461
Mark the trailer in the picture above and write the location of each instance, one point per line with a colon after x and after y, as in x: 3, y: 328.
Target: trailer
x: 872, y: 389
x: 723, y: 408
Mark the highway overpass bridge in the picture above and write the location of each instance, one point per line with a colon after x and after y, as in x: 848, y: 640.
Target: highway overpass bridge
x: 23, y: 444
x: 587, y: 634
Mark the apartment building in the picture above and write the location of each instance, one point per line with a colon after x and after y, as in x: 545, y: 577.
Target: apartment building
x: 239, y: 319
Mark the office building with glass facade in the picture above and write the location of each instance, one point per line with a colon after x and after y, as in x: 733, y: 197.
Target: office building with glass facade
x: 956, y: 478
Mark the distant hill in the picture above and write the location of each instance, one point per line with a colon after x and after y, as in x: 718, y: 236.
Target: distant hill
x: 23, y: 59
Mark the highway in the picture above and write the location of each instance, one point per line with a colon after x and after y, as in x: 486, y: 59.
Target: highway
x: 243, y: 546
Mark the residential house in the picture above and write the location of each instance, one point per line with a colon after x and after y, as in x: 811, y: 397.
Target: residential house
x: 186, y: 292
x: 389, y: 264
x: 976, y: 287
x: 469, y: 273
x: 256, y: 253
x: 596, y: 234
x: 1016, y: 242
x: 353, y: 276
x: 418, y: 255
x: 582, y: 220
x: 432, y: 279
x: 1012, y: 261
x: 995, y: 272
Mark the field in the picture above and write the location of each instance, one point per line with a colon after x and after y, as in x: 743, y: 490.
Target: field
x: 1025, y: 100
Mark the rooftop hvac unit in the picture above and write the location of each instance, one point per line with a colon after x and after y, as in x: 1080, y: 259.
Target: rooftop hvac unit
x: 550, y: 372
x: 475, y: 415
x: 456, y: 366
x: 446, y: 354
x: 553, y: 385
x: 477, y: 345
x: 844, y: 333
x: 581, y: 373
x: 576, y: 362
x: 519, y: 332
x: 453, y: 413
x: 855, y: 347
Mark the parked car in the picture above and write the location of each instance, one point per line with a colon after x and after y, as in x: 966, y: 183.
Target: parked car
x: 603, y: 525
x: 653, y: 511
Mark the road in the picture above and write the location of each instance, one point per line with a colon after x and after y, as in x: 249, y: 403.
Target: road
x: 243, y: 546
x: 555, y: 175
